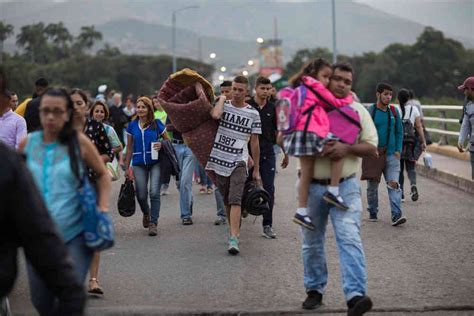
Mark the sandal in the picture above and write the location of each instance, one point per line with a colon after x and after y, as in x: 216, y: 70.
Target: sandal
x: 95, y: 290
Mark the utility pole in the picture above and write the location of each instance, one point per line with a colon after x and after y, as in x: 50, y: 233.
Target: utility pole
x: 173, y: 34
x: 334, y: 47
x: 173, y: 40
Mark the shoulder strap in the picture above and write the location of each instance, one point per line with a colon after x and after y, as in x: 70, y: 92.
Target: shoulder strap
x: 394, y: 111
x: 347, y: 117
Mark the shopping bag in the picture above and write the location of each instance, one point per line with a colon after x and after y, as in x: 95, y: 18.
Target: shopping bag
x: 126, y: 200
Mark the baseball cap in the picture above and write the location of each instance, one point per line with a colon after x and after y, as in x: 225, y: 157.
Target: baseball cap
x: 468, y: 83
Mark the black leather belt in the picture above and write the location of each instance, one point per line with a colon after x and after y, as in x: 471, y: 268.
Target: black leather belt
x: 328, y: 181
x: 177, y: 141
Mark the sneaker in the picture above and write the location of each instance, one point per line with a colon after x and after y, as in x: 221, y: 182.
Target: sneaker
x: 210, y: 190
x: 359, y: 305
x: 313, y: 300
x: 335, y: 200
x: 187, y: 221
x: 268, y: 232
x: 152, y: 230
x: 373, y: 217
x: 414, y: 193
x: 244, y: 213
x: 233, y: 246
x: 399, y: 221
x: 202, y: 191
x: 165, y: 191
x: 304, y: 221
x: 220, y: 221
x: 146, y: 220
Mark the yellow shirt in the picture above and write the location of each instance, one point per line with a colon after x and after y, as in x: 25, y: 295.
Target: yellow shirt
x: 352, y: 164
x: 20, y: 110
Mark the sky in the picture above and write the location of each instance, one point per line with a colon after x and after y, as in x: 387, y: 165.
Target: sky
x: 453, y: 16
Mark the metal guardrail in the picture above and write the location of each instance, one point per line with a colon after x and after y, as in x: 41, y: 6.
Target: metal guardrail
x: 442, y: 119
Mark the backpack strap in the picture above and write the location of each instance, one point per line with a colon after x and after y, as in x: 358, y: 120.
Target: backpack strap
x: 347, y: 117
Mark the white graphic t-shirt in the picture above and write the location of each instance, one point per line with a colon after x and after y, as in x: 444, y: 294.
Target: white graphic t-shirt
x: 230, y: 146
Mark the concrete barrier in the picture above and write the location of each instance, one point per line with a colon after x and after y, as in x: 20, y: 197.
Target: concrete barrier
x: 448, y: 150
x: 445, y: 177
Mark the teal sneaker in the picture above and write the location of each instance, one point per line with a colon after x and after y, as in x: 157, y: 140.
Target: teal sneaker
x: 233, y: 247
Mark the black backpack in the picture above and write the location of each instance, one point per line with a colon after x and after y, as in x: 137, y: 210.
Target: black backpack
x: 408, y: 129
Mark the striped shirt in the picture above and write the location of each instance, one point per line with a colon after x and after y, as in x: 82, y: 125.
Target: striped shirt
x: 230, y: 145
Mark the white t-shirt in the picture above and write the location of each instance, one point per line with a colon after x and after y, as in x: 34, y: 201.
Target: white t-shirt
x: 230, y: 145
x: 414, y: 113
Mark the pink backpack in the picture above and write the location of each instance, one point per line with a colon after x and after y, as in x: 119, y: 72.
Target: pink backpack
x: 344, y: 121
x: 288, y: 108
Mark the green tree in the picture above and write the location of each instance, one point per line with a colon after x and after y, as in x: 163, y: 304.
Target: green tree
x: 109, y: 51
x: 6, y: 30
x: 33, y: 40
x: 61, y: 39
x: 87, y: 38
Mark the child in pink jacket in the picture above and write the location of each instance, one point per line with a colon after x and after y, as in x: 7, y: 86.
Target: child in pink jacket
x: 308, y: 144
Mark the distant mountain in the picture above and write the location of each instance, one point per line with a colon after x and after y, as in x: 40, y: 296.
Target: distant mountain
x: 228, y: 28
x: 134, y: 36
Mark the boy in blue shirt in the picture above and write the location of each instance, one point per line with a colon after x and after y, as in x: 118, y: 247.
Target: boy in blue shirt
x: 387, y: 120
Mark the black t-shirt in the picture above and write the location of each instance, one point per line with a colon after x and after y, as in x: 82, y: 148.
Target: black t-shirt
x: 269, y: 127
x: 32, y: 115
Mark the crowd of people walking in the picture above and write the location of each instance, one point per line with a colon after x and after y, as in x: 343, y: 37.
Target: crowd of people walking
x: 66, y: 137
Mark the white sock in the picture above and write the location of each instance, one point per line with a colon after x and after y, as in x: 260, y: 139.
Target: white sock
x: 334, y: 190
x: 303, y: 211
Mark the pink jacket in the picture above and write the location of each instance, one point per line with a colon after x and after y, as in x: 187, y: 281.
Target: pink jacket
x: 319, y: 122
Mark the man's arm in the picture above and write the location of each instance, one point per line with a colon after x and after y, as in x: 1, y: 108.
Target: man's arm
x: 464, y: 132
x: 255, y: 148
x: 43, y: 247
x: 218, y: 109
x: 398, y: 133
x: 338, y: 150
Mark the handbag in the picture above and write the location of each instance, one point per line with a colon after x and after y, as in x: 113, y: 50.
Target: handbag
x: 113, y: 169
x: 126, y: 199
x: 98, y: 226
x: 372, y: 167
x: 171, y: 155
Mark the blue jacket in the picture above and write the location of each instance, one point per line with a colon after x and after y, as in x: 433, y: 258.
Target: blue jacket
x: 142, y: 139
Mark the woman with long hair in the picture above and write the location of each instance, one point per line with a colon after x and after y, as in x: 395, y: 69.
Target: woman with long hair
x: 100, y: 112
x: 55, y: 157
x: 95, y: 131
x: 411, y: 150
x: 144, y: 135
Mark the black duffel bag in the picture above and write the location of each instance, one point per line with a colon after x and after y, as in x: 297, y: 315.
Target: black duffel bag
x: 126, y: 200
x: 255, y: 199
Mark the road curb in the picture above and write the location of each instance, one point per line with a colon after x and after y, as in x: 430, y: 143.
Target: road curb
x: 156, y: 311
x: 445, y: 177
x: 450, y: 151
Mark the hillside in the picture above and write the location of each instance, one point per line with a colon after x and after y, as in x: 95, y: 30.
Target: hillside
x: 227, y: 27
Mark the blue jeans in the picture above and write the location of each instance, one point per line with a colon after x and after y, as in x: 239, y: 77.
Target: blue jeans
x: 346, y: 226
x: 267, y: 172
x: 42, y: 298
x: 205, y: 180
x: 142, y: 175
x: 187, y: 162
x: 219, y: 203
x: 472, y: 165
x: 391, y: 172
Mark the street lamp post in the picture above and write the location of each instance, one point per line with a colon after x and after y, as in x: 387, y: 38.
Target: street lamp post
x: 173, y: 37
x: 334, y: 47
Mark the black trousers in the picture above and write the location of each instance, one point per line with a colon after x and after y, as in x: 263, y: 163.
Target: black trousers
x: 267, y: 172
